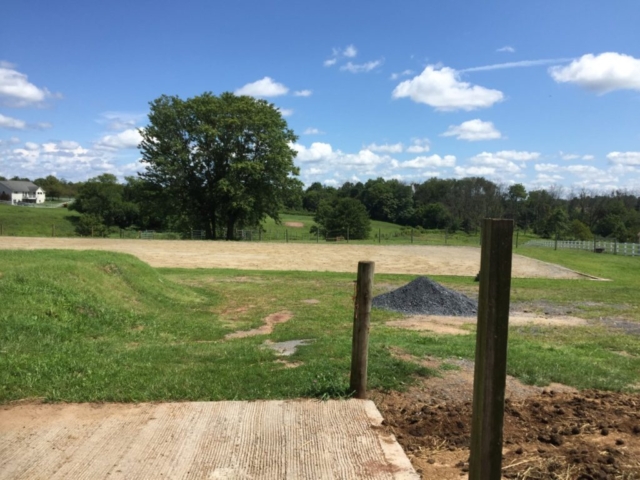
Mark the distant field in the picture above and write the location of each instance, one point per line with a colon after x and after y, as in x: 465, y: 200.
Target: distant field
x: 36, y: 221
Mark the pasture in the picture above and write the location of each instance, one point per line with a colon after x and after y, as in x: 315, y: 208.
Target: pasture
x: 102, y: 326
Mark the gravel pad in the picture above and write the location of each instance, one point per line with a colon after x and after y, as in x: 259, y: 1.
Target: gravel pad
x: 423, y: 296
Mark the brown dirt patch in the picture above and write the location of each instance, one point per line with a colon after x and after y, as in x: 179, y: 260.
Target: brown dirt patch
x: 446, y: 325
x: 286, y: 364
x: 269, y: 322
x: 550, y: 433
x: 311, y: 301
x: 410, y: 259
x: 294, y: 224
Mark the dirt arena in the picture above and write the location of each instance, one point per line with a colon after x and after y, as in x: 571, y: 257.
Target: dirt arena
x: 410, y: 259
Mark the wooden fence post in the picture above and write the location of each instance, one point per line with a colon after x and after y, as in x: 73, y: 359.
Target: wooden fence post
x: 555, y: 243
x: 379, y: 235
x: 491, y: 350
x: 412, y: 236
x: 53, y: 230
x: 286, y: 236
x: 361, y: 322
x: 1, y: 229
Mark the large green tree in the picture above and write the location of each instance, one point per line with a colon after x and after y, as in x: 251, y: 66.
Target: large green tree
x: 342, y: 217
x: 223, y: 161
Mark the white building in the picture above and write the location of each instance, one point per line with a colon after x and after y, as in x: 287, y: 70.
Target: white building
x: 15, y: 191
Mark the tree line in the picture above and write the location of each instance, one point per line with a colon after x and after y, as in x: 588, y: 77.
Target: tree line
x: 218, y: 163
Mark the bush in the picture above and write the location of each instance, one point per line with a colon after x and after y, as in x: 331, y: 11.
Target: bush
x: 89, y: 224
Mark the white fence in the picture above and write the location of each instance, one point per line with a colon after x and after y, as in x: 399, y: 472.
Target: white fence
x: 631, y: 249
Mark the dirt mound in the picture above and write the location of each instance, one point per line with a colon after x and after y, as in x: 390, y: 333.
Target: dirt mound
x: 423, y: 296
x: 586, y: 435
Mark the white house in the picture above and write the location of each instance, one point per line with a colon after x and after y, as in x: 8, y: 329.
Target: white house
x: 15, y: 191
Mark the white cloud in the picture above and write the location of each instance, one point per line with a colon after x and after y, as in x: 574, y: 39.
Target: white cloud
x: 521, y: 156
x: 601, y: 73
x: 128, y: 139
x: 588, y: 158
x: 441, y: 88
x: 547, y: 167
x: 494, y: 160
x: 386, y: 148
x: 624, y: 158
x: 317, y: 152
x: 362, y: 67
x: 431, y: 161
x: 17, y: 124
x: 302, y: 93
x: 506, y: 49
x: 265, y: 87
x: 285, y: 112
x: 520, y: 64
x: 66, y: 159
x: 350, y: 51
x: 473, y: 131
x: 312, y: 131
x: 117, y: 121
x: 419, y: 145
x: 12, y: 123
x: 405, y: 73
x: 475, y: 171
x: 17, y: 91
x: 569, y: 156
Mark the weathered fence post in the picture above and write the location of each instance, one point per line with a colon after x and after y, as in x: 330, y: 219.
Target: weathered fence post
x: 53, y: 230
x: 286, y: 236
x: 555, y: 243
x: 379, y: 235
x: 491, y: 350
x: 615, y: 246
x: 445, y: 237
x: 412, y: 235
x: 317, y: 235
x: 361, y: 322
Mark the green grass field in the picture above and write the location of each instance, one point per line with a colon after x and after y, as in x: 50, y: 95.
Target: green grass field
x: 36, y: 221
x: 98, y: 326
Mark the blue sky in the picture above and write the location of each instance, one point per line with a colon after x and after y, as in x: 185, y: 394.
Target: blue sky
x: 541, y: 93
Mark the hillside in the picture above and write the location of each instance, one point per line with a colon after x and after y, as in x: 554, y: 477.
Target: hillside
x: 36, y: 222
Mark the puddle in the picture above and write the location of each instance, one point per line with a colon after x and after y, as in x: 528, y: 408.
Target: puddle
x: 285, y: 349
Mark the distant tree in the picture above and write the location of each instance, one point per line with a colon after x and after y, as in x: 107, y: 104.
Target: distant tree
x: 337, y: 216
x: 102, y: 197
x: 224, y: 161
x: 433, y: 216
x: 2, y: 178
x: 53, y: 187
x: 557, y: 223
x: 315, y: 194
x: 579, y: 231
x: 20, y: 179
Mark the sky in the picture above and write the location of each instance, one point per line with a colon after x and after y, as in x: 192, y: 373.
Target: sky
x: 540, y: 93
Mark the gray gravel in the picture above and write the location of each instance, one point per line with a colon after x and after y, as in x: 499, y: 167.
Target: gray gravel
x: 423, y: 296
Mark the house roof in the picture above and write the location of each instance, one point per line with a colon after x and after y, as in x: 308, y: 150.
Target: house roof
x: 19, y: 185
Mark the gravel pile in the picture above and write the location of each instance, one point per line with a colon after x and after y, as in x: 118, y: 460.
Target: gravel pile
x: 423, y: 296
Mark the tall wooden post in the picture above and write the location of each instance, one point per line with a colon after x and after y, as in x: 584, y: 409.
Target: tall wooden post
x: 379, y: 235
x: 555, y: 243
x: 491, y: 350
x: 412, y: 235
x: 317, y: 235
x: 286, y: 236
x: 361, y: 322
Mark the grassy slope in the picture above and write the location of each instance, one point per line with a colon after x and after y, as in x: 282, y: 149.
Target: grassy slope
x: 81, y: 326
x: 36, y: 222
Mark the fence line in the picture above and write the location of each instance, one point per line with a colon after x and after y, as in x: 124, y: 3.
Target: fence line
x: 598, y: 246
